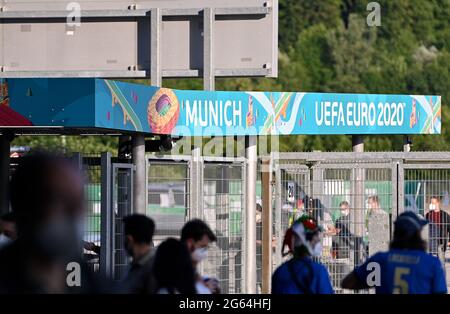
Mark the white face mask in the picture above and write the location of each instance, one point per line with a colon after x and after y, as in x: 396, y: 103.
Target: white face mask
x: 317, y: 251
x: 200, y: 254
x: 4, y: 240
x: 432, y: 206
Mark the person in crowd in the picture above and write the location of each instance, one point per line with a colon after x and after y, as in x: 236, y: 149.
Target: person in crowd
x: 138, y: 231
x: 343, y: 242
x: 377, y: 227
x: 405, y: 268
x: 8, y: 229
x: 374, y: 207
x: 439, y: 228
x: 173, y: 269
x: 301, y: 274
x: 47, y: 197
x: 197, y: 236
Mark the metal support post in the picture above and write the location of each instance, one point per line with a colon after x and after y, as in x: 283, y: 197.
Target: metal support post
x: 208, y: 49
x: 195, y: 189
x: 250, y: 215
x: 155, y: 57
x: 266, y: 182
x: 106, y: 218
x: 358, y: 201
x: 406, y: 144
x: 140, y: 175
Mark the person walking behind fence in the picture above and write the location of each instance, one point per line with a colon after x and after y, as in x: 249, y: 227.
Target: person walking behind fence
x: 405, y: 268
x: 173, y: 269
x: 47, y: 197
x: 344, y: 239
x: 138, y: 230
x: 439, y: 228
x: 377, y: 224
x: 197, y: 236
x: 300, y: 274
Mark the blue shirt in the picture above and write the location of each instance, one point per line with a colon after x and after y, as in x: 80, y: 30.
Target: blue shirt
x: 405, y: 272
x: 313, y: 276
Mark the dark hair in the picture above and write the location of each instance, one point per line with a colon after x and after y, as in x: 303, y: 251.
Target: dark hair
x: 259, y: 207
x: 196, y: 229
x: 9, y: 217
x: 374, y: 198
x: 140, y: 227
x: 173, y: 268
x: 27, y: 186
x: 344, y: 203
x: 436, y: 198
x: 404, y: 241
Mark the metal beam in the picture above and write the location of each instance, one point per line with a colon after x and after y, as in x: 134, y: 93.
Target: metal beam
x: 62, y: 14
x: 217, y: 72
x: 365, y: 156
x: 208, y: 49
x: 63, y: 74
x: 131, y: 13
x: 155, y: 57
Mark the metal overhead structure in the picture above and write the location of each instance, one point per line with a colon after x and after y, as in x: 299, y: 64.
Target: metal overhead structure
x: 136, y: 39
x: 152, y: 39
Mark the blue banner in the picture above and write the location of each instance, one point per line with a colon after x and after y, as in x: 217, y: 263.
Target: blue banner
x: 125, y: 106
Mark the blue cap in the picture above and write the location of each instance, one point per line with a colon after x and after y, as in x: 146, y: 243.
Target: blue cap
x: 410, y: 222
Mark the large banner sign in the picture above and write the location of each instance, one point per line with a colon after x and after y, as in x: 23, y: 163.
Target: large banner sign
x: 125, y: 106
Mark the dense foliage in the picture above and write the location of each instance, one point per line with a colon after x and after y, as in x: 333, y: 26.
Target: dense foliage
x: 326, y: 46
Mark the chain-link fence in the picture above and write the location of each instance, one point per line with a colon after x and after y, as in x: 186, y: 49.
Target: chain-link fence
x: 168, y: 197
x: 91, y: 168
x: 356, y: 198
x: 426, y: 192
x: 223, y: 203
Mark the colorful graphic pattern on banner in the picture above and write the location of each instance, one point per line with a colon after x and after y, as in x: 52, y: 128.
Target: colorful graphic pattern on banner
x: 167, y: 111
x: 133, y: 107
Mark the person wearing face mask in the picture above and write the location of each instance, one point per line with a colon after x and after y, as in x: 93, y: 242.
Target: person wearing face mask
x: 301, y: 274
x: 405, y: 268
x: 138, y: 230
x: 47, y: 197
x: 344, y: 239
x: 197, y: 236
x: 8, y: 229
x: 439, y: 229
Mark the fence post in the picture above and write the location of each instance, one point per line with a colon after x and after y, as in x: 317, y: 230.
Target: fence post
x: 278, y: 205
x: 250, y: 216
x: 267, y: 215
x: 106, y: 218
x: 140, y: 174
x: 195, y: 184
x: 358, y: 203
x: 78, y: 160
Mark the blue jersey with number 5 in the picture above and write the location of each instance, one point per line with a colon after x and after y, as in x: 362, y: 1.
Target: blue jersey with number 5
x: 403, y: 272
